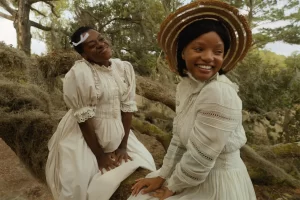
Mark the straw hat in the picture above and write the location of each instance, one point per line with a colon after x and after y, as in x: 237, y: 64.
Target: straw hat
x: 236, y: 24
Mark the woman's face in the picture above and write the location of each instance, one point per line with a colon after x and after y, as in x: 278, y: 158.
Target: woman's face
x: 204, y: 56
x: 96, y: 49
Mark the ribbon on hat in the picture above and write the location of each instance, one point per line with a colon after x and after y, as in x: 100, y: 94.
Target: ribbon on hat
x: 82, y: 39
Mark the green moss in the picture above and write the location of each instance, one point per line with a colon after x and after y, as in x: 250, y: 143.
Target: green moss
x: 287, y: 150
x: 250, y: 137
x: 124, y: 190
x: 150, y: 129
x: 27, y: 134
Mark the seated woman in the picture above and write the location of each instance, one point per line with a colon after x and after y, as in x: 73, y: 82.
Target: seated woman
x: 203, y: 41
x: 93, y: 149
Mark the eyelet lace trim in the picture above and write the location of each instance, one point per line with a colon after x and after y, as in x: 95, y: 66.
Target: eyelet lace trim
x: 129, y: 108
x: 216, y: 115
x: 188, y: 175
x: 85, y: 113
x: 201, y: 153
x: 96, y: 79
x: 182, y: 149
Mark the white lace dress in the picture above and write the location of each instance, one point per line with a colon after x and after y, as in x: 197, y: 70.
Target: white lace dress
x: 203, y: 160
x: 100, y: 93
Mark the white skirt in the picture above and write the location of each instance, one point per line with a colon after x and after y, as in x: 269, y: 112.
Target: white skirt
x: 72, y: 170
x: 228, y: 180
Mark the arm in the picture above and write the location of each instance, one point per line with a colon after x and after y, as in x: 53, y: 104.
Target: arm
x: 126, y: 120
x: 218, y: 115
x: 173, y: 156
x: 88, y: 132
x: 80, y: 96
x: 175, y: 149
x: 121, y: 152
x: 128, y: 106
x: 174, y: 153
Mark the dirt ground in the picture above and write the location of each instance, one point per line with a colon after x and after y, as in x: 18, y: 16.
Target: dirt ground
x: 16, y: 183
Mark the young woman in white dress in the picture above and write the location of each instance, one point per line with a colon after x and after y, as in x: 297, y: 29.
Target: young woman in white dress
x: 203, y: 41
x: 93, y: 149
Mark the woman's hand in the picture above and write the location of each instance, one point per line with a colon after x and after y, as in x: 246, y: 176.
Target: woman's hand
x: 150, y: 184
x: 106, y: 162
x: 121, y: 154
x: 162, y: 193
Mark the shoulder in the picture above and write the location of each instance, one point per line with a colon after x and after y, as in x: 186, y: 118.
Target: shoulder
x: 221, y: 91
x: 221, y: 84
x: 80, y: 67
x: 80, y: 72
x: 121, y: 63
x: 123, y: 66
x: 182, y: 85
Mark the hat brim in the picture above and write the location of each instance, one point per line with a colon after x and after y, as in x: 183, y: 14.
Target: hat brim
x: 236, y: 24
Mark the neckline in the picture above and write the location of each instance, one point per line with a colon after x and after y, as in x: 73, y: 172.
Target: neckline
x: 102, y: 67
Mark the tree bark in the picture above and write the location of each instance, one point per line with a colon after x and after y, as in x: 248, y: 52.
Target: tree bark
x: 22, y: 22
x: 269, y: 167
x: 151, y: 130
x: 23, y: 26
x: 155, y: 92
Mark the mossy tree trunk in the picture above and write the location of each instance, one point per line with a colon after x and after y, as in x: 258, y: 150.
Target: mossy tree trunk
x: 23, y: 26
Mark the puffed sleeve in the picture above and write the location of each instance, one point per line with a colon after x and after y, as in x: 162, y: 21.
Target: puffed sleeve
x: 79, y: 91
x: 218, y: 115
x: 128, y: 103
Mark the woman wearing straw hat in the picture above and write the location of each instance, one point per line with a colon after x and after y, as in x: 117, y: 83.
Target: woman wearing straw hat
x: 203, y: 41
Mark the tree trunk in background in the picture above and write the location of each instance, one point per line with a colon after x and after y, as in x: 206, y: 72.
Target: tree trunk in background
x: 22, y: 26
x: 154, y: 91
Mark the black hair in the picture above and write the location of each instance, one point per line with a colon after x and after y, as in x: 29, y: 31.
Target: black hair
x: 193, y: 31
x: 76, y: 37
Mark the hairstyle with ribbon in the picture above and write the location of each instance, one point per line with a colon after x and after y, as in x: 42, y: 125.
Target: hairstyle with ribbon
x: 79, y: 37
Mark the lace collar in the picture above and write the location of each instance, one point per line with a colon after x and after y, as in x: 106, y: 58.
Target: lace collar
x: 101, y: 67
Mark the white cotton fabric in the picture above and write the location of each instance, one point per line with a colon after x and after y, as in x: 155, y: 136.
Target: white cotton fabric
x: 203, y: 160
x: 99, y: 93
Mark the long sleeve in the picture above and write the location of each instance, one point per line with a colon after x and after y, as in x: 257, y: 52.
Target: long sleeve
x: 218, y: 116
x: 79, y: 91
x: 176, y: 149
x: 174, y: 154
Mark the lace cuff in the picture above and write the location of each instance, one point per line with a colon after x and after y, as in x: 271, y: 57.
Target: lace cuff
x: 129, y: 106
x: 85, y: 113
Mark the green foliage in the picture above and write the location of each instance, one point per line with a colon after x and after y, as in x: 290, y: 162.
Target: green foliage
x: 264, y: 12
x: 57, y: 38
x: 131, y: 26
x: 267, y: 81
x: 272, y: 59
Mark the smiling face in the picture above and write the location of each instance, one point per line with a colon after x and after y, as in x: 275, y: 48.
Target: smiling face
x: 204, y: 56
x: 96, y: 49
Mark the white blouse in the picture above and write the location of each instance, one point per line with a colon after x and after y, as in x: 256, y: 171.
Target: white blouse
x: 84, y: 87
x: 101, y: 93
x: 208, y: 123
